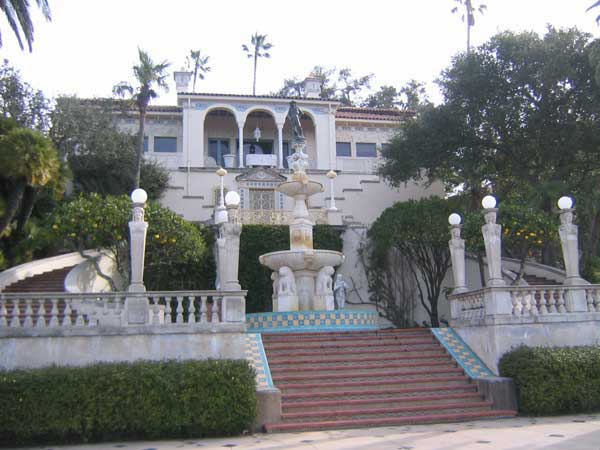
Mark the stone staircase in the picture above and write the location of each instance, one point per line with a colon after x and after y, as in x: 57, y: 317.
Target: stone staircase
x: 52, y: 281
x: 369, y: 378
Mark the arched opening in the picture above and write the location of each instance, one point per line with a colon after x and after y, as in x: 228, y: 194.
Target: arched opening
x: 260, y: 139
x: 220, y: 138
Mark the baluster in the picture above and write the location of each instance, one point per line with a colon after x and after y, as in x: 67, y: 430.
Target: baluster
x: 168, y: 318
x: 179, y: 318
x: 79, y: 319
x: 590, y: 300
x: 28, y: 322
x: 153, y: 310
x: 67, y: 320
x: 203, y: 318
x: 3, y: 314
x: 551, y: 301
x: 93, y: 318
x: 191, y: 309
x: 526, y: 303
x: 16, y: 311
x: 215, y: 309
x: 596, y: 300
x: 54, y: 313
x: 542, y: 309
x: 560, y: 301
x: 516, y: 301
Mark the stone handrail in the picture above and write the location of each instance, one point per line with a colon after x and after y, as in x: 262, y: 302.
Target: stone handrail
x: 51, y: 311
x: 525, y: 301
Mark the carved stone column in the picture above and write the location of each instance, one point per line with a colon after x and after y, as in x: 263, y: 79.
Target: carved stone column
x: 575, y: 299
x: 457, y: 255
x: 137, y: 308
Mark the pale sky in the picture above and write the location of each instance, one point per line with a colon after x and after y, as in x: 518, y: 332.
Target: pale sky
x: 91, y: 45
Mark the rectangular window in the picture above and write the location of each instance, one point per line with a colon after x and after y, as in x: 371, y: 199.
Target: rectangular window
x: 366, y: 150
x: 343, y: 149
x: 217, y: 148
x: 165, y: 144
x: 145, y: 143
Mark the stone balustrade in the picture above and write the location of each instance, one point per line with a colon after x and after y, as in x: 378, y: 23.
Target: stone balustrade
x: 21, y: 313
x: 277, y: 216
x: 525, y: 301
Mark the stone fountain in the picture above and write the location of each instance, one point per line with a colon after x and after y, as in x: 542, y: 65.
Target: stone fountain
x: 302, y: 276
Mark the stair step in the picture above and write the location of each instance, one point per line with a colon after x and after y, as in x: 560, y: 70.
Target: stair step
x: 284, y: 361
x: 375, y: 384
x: 289, y: 398
x: 381, y: 354
x: 385, y: 411
x: 343, y: 403
x: 329, y: 334
x: 359, y: 349
x: 331, y: 369
x: 428, y: 342
x: 387, y: 421
x: 352, y: 376
x: 388, y: 337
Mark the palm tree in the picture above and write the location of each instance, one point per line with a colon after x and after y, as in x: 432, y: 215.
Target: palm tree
x: 469, y: 16
x: 17, y: 15
x: 258, y: 44
x: 198, y: 64
x: 595, y: 5
x: 148, y: 75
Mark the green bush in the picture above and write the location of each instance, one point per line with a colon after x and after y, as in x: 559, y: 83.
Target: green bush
x: 554, y: 380
x: 143, y: 400
x: 259, y: 239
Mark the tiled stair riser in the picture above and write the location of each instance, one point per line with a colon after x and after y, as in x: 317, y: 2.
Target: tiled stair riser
x: 306, y: 321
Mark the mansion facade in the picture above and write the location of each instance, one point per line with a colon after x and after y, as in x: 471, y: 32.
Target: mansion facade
x: 250, y: 137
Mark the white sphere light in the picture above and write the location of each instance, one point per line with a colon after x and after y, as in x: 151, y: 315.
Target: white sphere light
x: 565, y: 202
x: 488, y: 202
x: 232, y: 198
x: 454, y: 219
x: 139, y: 196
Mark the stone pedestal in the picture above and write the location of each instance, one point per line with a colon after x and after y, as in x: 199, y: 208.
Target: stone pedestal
x: 233, y: 309
x: 231, y: 258
x: 323, y: 303
x: 137, y: 309
x: 497, y: 302
x: 286, y: 302
x: 457, y: 255
x: 492, y: 237
x: 305, y: 287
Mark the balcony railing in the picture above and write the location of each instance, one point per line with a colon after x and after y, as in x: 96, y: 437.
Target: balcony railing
x: 277, y: 216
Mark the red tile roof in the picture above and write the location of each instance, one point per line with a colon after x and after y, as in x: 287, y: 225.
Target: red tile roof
x: 396, y: 115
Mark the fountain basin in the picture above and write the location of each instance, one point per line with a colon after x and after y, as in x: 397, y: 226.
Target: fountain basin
x: 301, y: 259
x: 306, y: 187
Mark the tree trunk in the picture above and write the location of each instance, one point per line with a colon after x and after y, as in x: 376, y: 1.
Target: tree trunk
x: 14, y: 202
x: 254, y: 82
x: 140, y: 149
x: 27, y: 203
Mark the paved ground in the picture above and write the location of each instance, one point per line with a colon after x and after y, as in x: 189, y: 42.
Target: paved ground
x: 580, y: 432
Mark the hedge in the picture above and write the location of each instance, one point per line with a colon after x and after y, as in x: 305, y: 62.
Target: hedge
x: 256, y: 240
x: 143, y: 400
x: 554, y: 380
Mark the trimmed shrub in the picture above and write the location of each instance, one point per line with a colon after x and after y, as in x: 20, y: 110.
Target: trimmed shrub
x: 144, y: 400
x: 554, y: 380
x: 256, y: 240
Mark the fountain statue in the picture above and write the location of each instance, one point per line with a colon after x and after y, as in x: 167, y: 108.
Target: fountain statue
x: 302, y: 276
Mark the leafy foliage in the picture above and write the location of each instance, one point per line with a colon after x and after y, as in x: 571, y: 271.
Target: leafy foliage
x: 102, y: 159
x: 554, y: 380
x: 198, y: 64
x: 143, y: 400
x: 417, y: 230
x: 175, y: 249
x: 256, y: 240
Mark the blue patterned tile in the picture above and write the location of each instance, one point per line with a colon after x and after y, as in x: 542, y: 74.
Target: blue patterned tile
x: 462, y: 354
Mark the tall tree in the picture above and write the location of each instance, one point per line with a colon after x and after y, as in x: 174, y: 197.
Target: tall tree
x: 520, y: 117
x: 259, y: 48
x: 468, y: 16
x: 149, y: 76
x: 19, y: 19
x: 385, y: 97
x: 594, y: 5
x: 351, y: 86
x: 198, y: 65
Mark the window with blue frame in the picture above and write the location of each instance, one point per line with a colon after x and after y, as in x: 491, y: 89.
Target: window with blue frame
x: 164, y: 144
x: 366, y: 150
x: 217, y: 148
x: 343, y: 149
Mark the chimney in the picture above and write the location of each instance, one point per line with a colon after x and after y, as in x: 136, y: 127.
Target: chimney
x: 312, y: 87
x: 182, y: 81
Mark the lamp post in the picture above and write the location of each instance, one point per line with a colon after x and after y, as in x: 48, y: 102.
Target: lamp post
x: 137, y: 231
x: 569, y: 242
x: 457, y: 254
x: 492, y: 233
x: 332, y: 176
x: 137, y: 308
x: 221, y: 211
